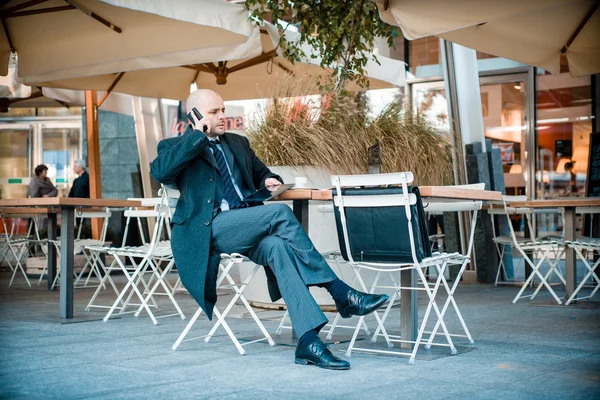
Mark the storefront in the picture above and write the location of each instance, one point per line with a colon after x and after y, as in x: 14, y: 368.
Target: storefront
x: 33, y: 136
x: 541, y: 122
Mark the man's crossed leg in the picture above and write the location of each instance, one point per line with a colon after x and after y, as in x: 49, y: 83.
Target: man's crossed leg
x: 272, y: 236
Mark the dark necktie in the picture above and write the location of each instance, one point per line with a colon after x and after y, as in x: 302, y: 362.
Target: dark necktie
x: 230, y: 194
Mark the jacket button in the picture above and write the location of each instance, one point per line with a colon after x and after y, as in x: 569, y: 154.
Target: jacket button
x: 207, y: 223
x: 211, y: 178
x: 209, y: 201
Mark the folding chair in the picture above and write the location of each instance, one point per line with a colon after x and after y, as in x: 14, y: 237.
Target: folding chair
x: 224, y: 280
x: 590, y: 246
x: 18, y: 247
x: 383, y: 230
x: 85, y: 246
x: 145, y: 260
x: 456, y: 206
x: 92, y: 258
x: 544, y: 246
x: 502, y: 243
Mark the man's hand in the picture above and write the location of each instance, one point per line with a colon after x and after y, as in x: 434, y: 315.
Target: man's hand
x: 45, y: 195
x: 272, y: 184
x: 201, y: 124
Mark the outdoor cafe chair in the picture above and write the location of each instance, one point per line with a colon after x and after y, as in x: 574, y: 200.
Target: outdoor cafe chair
x: 547, y: 249
x: 84, y: 246
x: 145, y: 260
x: 472, y: 207
x: 17, y: 247
x: 503, y: 243
x: 589, y: 246
x: 383, y: 229
x: 225, y: 279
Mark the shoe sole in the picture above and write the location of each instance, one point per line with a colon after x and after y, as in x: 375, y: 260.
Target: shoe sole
x: 348, y: 315
x: 303, y: 361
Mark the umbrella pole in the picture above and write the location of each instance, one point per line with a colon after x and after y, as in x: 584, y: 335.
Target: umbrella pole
x: 93, y: 143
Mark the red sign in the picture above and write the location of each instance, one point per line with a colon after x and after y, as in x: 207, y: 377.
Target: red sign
x: 235, y: 123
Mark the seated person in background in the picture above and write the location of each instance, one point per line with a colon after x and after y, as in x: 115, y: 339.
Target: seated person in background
x: 212, y: 169
x: 40, y: 185
x: 81, y: 185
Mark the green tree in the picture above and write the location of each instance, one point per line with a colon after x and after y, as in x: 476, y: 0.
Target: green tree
x: 342, y: 33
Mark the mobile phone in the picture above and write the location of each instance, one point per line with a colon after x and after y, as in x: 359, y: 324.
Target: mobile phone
x: 198, y: 116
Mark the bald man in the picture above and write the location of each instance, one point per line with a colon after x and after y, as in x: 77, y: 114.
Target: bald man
x: 214, y: 170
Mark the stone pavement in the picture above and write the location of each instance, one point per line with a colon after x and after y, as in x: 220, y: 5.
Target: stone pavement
x: 527, y: 350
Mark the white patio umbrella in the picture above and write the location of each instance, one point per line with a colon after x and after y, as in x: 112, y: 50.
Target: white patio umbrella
x: 255, y: 77
x: 240, y: 79
x: 14, y: 94
x: 534, y: 32
x: 63, y: 39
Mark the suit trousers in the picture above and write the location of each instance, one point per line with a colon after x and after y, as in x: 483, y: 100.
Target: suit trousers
x: 272, y: 236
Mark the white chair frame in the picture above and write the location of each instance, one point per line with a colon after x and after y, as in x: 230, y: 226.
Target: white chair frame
x: 589, y: 246
x: 544, y: 246
x: 457, y: 206
x: 151, y: 256
x: 19, y: 246
x: 92, y: 264
x: 228, y: 261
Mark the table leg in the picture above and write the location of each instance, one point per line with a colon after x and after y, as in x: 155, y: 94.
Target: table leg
x: 301, y: 212
x: 66, y: 262
x: 409, y: 310
x: 571, y: 261
x: 51, y: 225
x: 300, y: 208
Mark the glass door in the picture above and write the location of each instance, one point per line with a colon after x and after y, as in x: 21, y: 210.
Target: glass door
x: 15, y: 159
x: 60, y: 147
x: 23, y: 146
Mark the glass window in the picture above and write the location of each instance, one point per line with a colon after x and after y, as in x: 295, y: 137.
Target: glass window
x: 425, y: 58
x: 564, y: 125
x: 18, y: 112
x: 503, y: 110
x: 58, y: 111
x: 60, y: 149
x: 429, y: 101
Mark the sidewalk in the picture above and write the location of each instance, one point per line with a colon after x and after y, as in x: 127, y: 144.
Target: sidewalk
x: 526, y: 350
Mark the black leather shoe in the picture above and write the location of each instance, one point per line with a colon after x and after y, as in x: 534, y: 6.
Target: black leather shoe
x: 359, y: 303
x: 317, y: 353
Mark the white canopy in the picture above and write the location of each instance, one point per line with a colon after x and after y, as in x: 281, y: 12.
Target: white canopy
x: 235, y: 79
x: 99, y: 37
x: 534, y: 32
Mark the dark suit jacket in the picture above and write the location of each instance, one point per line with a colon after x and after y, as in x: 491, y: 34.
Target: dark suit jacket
x: 187, y: 162
x: 81, y: 186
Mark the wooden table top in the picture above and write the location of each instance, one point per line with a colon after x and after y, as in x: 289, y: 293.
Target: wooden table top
x: 25, y: 211
x: 67, y: 202
x: 296, y: 194
x: 564, y: 202
x: 443, y: 192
